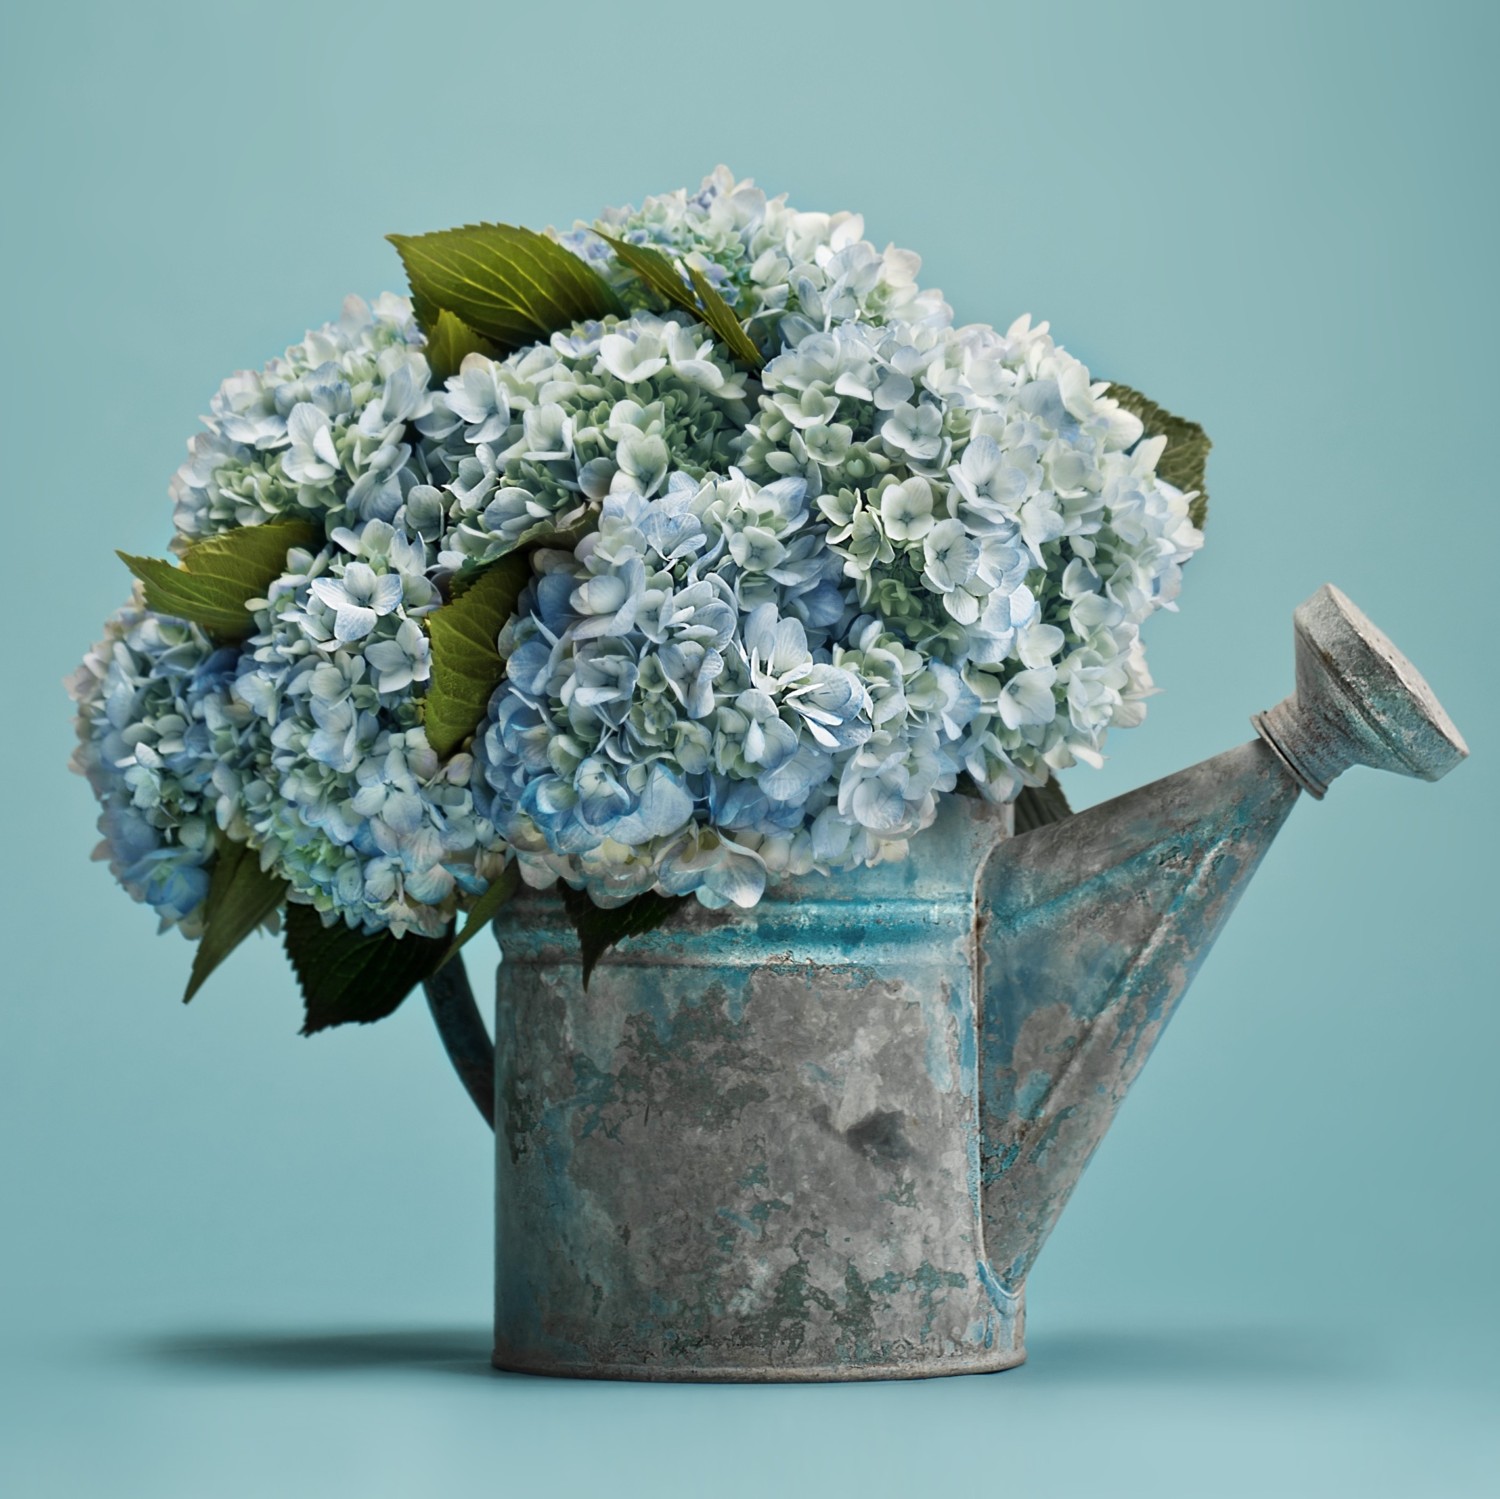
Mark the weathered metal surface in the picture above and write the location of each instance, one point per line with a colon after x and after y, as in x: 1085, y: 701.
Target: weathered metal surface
x: 1092, y: 930
x: 825, y: 1139
x: 1359, y: 701
x: 751, y: 1150
x: 465, y: 1039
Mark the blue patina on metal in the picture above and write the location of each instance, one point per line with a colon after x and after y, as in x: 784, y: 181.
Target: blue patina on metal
x: 825, y: 1138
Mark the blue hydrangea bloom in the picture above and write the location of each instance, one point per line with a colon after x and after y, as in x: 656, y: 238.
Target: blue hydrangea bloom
x: 152, y: 720
x: 673, y: 714
x: 775, y: 618
x: 341, y: 789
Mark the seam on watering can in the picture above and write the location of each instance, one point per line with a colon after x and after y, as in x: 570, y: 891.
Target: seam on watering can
x: 1004, y: 1300
x: 870, y: 959
x: 974, y: 1167
x: 853, y: 909
x: 1261, y: 723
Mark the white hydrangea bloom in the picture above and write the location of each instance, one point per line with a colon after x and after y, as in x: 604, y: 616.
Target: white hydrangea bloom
x: 785, y: 272
x: 786, y: 613
x: 343, y: 794
x: 999, y: 511
x: 338, y: 430
x: 606, y: 406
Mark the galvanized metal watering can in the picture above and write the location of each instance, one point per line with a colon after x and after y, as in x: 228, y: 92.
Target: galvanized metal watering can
x: 826, y: 1138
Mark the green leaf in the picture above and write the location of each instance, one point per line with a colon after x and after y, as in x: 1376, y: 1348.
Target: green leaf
x: 240, y: 896
x: 699, y: 300
x: 599, y: 929
x: 350, y: 977
x: 1185, y: 461
x: 482, y: 912
x: 720, y: 316
x: 508, y: 285
x: 220, y: 575
x: 466, y: 661
x: 659, y: 274
x: 544, y: 534
x: 1037, y: 806
x: 450, y: 341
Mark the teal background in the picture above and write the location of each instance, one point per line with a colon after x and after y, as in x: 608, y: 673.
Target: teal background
x: 234, y: 1262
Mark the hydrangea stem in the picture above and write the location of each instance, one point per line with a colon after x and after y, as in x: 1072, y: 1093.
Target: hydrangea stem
x: 462, y: 1029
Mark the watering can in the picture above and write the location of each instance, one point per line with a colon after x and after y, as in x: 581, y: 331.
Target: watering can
x: 825, y: 1138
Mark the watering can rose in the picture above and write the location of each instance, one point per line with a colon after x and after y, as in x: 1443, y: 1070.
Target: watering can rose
x: 790, y: 557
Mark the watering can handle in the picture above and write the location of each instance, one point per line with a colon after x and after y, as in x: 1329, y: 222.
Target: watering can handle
x: 463, y: 1032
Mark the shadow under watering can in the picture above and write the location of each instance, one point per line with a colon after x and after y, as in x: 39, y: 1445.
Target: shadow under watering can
x: 825, y: 1138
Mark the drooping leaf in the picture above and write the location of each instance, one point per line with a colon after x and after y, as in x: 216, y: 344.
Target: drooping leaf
x: 350, y: 977
x: 240, y: 896
x: 482, y: 912
x: 699, y: 299
x: 659, y: 273
x: 466, y: 661
x: 510, y: 286
x: 1185, y: 461
x: 544, y: 534
x: 599, y: 929
x: 1036, y: 806
x: 221, y: 574
x: 450, y: 340
x: 720, y: 316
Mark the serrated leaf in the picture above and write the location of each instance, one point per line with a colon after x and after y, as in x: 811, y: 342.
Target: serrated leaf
x: 540, y: 537
x: 720, y: 316
x: 1185, y: 460
x: 466, y: 661
x: 221, y: 574
x: 354, y: 978
x: 659, y: 274
x: 698, y: 299
x: 509, y: 285
x: 1037, y: 806
x: 482, y: 912
x: 240, y: 896
x: 600, y: 929
x: 450, y: 341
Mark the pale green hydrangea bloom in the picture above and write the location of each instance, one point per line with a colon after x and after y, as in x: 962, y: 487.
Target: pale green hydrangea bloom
x: 607, y: 406
x: 338, y: 430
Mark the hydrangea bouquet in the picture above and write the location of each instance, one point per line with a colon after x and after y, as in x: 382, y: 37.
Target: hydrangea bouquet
x: 665, y: 557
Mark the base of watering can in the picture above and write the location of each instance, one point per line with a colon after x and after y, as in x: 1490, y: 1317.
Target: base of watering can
x: 977, y: 1328
x: 748, y: 1374
x: 662, y: 1373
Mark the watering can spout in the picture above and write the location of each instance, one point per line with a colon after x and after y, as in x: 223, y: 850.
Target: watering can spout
x: 1093, y: 928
